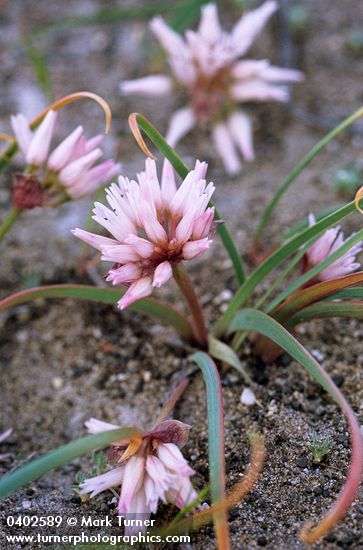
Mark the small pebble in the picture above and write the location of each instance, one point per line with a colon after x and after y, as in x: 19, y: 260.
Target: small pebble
x: 57, y: 382
x: 26, y: 504
x: 248, y: 397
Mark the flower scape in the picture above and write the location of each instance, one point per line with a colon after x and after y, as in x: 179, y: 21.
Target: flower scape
x: 256, y: 292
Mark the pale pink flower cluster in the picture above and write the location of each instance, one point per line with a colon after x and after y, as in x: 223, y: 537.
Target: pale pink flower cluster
x: 326, y: 245
x: 71, y: 167
x: 207, y: 63
x: 156, y: 472
x: 153, y: 227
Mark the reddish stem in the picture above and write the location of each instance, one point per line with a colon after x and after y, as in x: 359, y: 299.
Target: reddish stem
x: 186, y: 288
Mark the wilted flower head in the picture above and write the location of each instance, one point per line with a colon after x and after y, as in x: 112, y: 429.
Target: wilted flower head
x: 328, y: 243
x: 153, y: 227
x: 155, y: 471
x: 207, y: 63
x: 69, y: 171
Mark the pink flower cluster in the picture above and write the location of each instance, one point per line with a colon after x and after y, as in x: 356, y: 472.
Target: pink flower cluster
x: 156, y: 472
x: 153, y: 227
x: 207, y: 63
x: 70, y: 167
x: 326, y: 245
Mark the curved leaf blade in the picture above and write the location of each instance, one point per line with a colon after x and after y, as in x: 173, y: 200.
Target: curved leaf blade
x: 326, y: 310
x: 219, y: 350
x: 250, y: 319
x: 147, y: 306
x: 216, y: 444
x: 315, y: 293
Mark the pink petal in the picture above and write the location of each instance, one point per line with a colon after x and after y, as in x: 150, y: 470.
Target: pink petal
x: 153, y: 85
x: 280, y: 74
x: 240, y: 127
x: 162, y: 274
x: 168, y: 185
x: 202, y: 224
x: 181, y: 122
x: 127, y: 273
x: 22, y: 132
x: 74, y: 170
x: 96, y: 241
x: 98, y: 484
x: 140, y: 289
x: 250, y: 25
x: 143, y: 247
x: 258, y: 90
x: 209, y: 27
x: 119, y: 253
x: 225, y: 147
x: 95, y: 426
x: 192, y: 249
x: 248, y: 68
x: 152, y: 226
x: 171, y: 41
x: 61, y: 154
x: 133, y: 478
x: 39, y: 146
x: 172, y: 458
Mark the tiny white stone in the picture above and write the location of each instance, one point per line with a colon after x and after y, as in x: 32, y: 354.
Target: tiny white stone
x: 26, y: 504
x: 248, y: 397
x: 319, y: 356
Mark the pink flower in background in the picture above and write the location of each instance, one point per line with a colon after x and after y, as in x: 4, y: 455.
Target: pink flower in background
x: 153, y: 227
x: 328, y: 243
x: 207, y: 63
x: 71, y: 167
x: 156, y: 471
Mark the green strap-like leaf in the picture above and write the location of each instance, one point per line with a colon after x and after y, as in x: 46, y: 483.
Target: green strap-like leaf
x: 223, y: 352
x: 250, y: 319
x: 216, y: 442
x: 61, y: 456
x: 183, y: 170
x: 316, y: 293
x: 296, y: 171
x: 275, y: 260
x: 148, y: 306
x: 324, y: 310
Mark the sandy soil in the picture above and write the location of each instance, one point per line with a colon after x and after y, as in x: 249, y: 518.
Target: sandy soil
x: 64, y: 361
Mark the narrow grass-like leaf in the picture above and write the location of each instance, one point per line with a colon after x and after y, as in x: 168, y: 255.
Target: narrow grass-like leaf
x: 300, y: 167
x: 324, y: 310
x: 258, y: 321
x: 216, y: 445
x: 61, y: 456
x: 147, y: 306
x: 315, y: 293
x: 276, y: 258
x: 304, y: 223
x: 223, y: 352
x: 39, y: 66
x: 355, y: 293
x: 138, y: 121
x: 309, y: 275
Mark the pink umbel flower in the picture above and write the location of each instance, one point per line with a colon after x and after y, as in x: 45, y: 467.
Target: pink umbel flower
x: 156, y: 471
x: 69, y: 171
x: 153, y: 226
x: 326, y: 245
x: 207, y: 63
